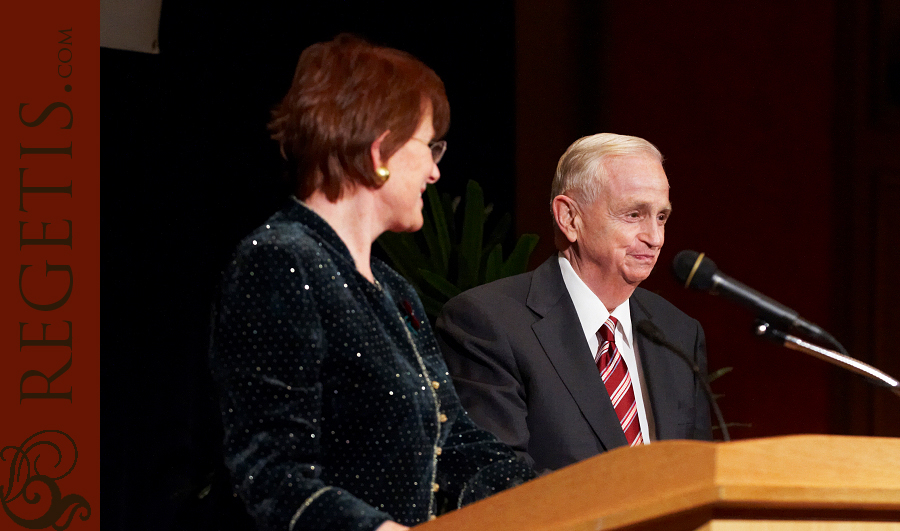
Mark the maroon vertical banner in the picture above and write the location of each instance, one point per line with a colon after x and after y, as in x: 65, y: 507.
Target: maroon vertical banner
x: 49, y: 271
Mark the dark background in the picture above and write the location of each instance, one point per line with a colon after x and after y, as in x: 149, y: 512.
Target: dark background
x: 780, y: 123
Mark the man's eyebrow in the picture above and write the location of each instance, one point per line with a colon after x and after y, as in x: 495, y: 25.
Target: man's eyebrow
x: 644, y: 205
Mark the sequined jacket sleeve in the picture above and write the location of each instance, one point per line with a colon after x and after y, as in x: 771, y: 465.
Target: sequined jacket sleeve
x: 267, y: 355
x: 338, y: 410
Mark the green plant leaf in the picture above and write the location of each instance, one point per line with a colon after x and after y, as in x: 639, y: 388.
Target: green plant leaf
x: 453, y: 253
x: 449, y: 207
x: 494, y: 265
x: 518, y: 258
x: 715, y: 375
x: 430, y: 236
x: 441, y: 284
x: 403, y: 252
x: 441, y: 254
x: 454, y: 203
x: 499, y: 233
x: 472, y: 234
x: 432, y: 305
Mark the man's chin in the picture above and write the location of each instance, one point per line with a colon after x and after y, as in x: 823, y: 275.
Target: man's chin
x: 636, y: 275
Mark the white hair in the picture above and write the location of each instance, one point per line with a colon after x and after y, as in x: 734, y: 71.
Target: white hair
x: 581, y: 171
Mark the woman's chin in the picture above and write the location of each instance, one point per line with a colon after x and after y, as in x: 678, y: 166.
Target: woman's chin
x: 410, y: 226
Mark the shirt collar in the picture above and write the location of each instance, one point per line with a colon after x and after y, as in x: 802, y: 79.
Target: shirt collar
x: 590, y: 309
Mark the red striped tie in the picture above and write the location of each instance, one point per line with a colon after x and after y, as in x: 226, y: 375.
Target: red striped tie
x: 618, y: 382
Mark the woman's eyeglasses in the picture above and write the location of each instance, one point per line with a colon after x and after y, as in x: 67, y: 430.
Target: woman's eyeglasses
x: 437, y: 148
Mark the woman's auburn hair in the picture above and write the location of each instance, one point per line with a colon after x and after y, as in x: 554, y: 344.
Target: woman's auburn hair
x: 345, y: 94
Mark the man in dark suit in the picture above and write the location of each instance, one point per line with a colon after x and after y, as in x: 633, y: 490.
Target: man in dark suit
x: 551, y: 361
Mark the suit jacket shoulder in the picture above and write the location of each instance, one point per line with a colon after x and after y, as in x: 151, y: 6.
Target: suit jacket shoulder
x: 648, y: 305
x: 654, y: 304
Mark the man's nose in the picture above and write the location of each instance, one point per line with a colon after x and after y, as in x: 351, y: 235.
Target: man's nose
x: 653, y: 233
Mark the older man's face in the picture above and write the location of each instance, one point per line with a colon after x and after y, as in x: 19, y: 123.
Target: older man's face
x: 623, y: 230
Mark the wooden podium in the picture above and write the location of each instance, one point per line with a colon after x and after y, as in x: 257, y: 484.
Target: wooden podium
x: 807, y: 482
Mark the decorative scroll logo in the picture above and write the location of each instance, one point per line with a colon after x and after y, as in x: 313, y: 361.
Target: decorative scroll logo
x: 32, y: 498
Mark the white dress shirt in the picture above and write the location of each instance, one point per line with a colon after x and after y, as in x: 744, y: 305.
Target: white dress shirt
x: 593, y: 313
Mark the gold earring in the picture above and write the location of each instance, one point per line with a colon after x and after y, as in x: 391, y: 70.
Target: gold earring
x: 384, y: 173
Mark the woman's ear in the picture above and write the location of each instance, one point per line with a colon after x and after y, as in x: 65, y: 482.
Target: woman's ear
x: 375, y: 150
x: 567, y: 217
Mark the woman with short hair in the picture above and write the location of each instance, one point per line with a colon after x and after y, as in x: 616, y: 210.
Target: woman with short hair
x: 338, y: 409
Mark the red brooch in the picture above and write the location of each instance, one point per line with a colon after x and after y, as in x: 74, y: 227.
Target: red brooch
x: 411, y: 320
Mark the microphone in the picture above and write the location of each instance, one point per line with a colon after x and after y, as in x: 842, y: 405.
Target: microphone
x: 654, y: 334
x: 696, y: 271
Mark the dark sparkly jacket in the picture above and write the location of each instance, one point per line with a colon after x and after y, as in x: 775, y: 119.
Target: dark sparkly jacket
x: 337, y: 407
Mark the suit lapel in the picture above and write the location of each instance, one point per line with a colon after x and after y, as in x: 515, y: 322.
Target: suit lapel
x: 560, y: 334
x: 659, y: 376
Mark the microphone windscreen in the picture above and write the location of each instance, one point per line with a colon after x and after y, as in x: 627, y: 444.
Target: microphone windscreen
x: 685, y: 262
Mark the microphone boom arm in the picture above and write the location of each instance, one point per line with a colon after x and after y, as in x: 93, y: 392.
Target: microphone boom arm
x: 763, y: 329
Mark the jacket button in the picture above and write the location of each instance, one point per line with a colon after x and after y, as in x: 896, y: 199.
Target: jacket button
x: 432, y: 517
x: 443, y: 418
x: 438, y: 451
x: 435, y: 488
x: 435, y: 385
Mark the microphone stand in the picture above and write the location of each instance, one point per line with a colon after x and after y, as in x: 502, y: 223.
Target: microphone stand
x: 654, y: 334
x: 763, y: 329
